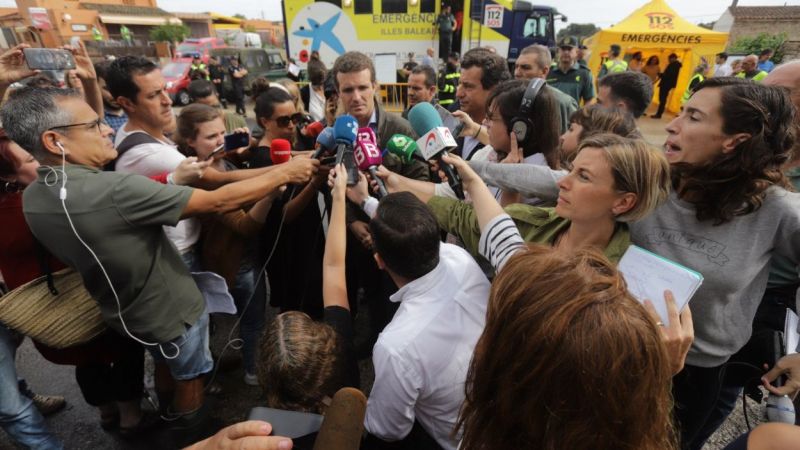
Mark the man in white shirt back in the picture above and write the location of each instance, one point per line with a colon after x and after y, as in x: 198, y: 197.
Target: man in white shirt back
x: 422, y: 357
x: 139, y: 87
x: 721, y: 68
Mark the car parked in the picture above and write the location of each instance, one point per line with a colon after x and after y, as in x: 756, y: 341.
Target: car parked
x: 176, y: 73
x: 198, y: 46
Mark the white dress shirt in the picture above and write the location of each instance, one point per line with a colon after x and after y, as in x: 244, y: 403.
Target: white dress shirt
x: 422, y: 357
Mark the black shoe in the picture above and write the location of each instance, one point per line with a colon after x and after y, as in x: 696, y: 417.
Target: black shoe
x: 655, y: 116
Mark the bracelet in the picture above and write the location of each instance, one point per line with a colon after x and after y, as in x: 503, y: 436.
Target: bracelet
x: 477, y: 132
x: 171, y: 178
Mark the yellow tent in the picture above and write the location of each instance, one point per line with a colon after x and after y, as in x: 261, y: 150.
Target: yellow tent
x: 655, y: 29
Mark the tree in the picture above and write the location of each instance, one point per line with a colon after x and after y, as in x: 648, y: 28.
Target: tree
x: 753, y: 45
x: 579, y: 30
x: 170, y: 33
x: 240, y: 16
x: 707, y: 25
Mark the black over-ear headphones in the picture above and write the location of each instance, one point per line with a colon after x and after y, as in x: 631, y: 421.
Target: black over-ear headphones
x: 521, y: 124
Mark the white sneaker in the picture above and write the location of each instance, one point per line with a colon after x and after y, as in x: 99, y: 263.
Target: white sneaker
x: 250, y: 379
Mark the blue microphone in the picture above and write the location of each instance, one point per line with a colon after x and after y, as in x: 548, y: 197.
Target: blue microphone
x: 345, y: 130
x: 325, y: 141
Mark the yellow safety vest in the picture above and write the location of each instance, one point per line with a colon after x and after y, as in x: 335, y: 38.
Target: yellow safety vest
x: 615, y: 66
x: 688, y: 92
x: 757, y: 77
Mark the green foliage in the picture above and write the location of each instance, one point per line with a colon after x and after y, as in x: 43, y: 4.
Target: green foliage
x: 579, y: 30
x: 250, y: 29
x: 240, y: 16
x: 170, y: 33
x: 750, y: 44
x: 707, y: 25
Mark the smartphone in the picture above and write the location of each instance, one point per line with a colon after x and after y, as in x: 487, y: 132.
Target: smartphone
x: 236, y: 140
x: 329, y: 161
x: 449, y: 120
x: 49, y: 59
x: 214, y: 153
x: 291, y: 424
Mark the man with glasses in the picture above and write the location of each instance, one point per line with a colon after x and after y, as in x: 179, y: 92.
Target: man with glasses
x: 132, y: 270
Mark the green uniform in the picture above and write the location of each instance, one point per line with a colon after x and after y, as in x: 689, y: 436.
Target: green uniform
x: 575, y: 82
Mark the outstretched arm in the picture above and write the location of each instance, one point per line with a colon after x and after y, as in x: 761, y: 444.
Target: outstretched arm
x: 334, y: 286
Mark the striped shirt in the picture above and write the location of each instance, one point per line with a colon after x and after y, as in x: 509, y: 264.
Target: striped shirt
x: 500, y: 240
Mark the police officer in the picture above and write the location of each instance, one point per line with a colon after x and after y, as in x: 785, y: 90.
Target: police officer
x: 569, y: 77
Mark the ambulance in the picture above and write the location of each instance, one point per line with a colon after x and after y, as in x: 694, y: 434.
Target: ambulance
x: 387, y: 30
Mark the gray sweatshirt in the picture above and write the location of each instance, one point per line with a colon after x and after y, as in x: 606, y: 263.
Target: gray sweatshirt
x: 733, y: 257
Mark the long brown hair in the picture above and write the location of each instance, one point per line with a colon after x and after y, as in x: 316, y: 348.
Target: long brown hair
x: 735, y: 183
x: 567, y: 360
x: 298, y: 363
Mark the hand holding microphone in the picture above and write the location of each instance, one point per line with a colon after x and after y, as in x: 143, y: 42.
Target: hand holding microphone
x: 345, y: 131
x: 435, y: 141
x: 368, y: 157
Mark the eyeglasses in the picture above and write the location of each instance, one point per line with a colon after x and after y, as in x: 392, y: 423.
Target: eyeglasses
x: 89, y: 125
x: 283, y: 121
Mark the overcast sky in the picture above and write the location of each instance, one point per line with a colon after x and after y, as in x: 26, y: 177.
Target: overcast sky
x: 602, y: 13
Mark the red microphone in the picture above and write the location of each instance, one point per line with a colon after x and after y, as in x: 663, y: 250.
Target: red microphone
x: 280, y: 151
x: 313, y: 130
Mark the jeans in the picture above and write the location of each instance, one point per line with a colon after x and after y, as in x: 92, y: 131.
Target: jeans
x: 18, y: 415
x: 702, y: 403
x: 192, y: 260
x: 187, y: 356
x: 252, y: 315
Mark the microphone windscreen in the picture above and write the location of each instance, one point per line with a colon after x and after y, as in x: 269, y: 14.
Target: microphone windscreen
x: 343, y: 424
x: 345, y: 129
x: 314, y: 129
x: 367, y: 155
x: 325, y: 139
x: 280, y: 151
x: 403, y: 147
x: 365, y: 134
x: 423, y: 117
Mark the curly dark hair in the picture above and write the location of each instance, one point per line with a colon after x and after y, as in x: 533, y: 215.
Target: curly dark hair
x: 735, y: 183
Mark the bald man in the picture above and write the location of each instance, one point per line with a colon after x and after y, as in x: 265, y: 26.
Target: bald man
x: 750, y: 69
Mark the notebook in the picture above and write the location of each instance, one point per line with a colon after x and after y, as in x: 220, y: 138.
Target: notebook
x: 648, y: 275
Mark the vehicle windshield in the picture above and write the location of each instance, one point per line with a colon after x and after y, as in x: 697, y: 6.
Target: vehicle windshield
x: 188, y: 48
x: 175, y: 69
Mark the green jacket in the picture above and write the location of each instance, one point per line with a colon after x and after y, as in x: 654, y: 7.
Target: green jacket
x: 535, y: 224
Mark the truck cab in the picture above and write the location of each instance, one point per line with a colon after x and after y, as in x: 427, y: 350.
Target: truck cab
x: 531, y: 24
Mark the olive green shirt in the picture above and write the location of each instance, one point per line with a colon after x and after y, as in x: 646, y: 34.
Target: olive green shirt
x: 121, y: 217
x: 535, y: 224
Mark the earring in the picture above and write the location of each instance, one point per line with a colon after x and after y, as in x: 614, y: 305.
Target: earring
x: 11, y: 188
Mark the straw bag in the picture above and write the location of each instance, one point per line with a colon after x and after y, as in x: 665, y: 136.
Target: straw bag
x: 58, y: 318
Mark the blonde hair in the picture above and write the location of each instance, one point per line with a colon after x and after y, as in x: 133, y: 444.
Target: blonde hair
x: 294, y: 91
x: 299, y: 364
x: 638, y: 168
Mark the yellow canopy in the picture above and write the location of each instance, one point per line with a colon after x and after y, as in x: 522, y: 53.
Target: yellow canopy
x: 655, y: 29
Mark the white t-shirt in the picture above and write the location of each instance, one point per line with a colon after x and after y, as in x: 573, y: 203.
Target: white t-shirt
x: 155, y: 159
x: 722, y: 70
x: 316, y: 104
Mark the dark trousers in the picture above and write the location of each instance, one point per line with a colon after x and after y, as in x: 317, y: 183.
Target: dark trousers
x: 702, y: 403
x: 120, y: 381
x: 663, y: 95
x: 221, y: 94
x: 238, y: 96
x: 445, y: 45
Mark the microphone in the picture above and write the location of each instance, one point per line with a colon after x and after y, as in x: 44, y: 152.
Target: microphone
x: 280, y: 151
x: 368, y: 157
x: 343, y: 424
x: 313, y: 130
x: 404, y: 148
x: 325, y: 142
x: 434, y: 141
x: 344, y: 132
